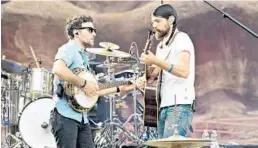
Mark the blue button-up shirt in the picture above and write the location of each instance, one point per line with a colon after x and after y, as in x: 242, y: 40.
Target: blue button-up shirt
x: 74, y: 57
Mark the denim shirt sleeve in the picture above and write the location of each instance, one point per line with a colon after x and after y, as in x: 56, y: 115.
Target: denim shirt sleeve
x: 66, y: 55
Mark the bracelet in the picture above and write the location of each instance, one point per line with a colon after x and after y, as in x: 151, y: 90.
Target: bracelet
x: 171, y: 68
x: 85, y: 82
x: 117, y: 89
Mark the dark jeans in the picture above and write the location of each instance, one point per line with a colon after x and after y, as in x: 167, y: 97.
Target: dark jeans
x: 70, y: 133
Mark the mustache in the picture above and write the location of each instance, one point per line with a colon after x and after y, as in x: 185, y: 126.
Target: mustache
x: 159, y: 31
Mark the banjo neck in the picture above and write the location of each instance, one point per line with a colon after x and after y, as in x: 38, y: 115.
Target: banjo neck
x: 112, y: 84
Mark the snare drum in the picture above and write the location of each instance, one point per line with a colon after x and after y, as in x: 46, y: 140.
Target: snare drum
x: 38, y: 82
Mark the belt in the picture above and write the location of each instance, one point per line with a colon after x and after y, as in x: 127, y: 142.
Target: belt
x: 176, y: 106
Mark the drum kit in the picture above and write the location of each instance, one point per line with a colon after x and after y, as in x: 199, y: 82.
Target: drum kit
x: 26, y: 103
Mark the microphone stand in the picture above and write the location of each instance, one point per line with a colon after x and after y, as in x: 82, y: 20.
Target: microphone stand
x: 226, y: 15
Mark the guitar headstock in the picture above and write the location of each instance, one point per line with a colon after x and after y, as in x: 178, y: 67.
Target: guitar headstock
x: 151, y: 34
x: 150, y: 38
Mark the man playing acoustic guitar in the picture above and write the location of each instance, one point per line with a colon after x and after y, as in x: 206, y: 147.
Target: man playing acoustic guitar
x: 175, y: 62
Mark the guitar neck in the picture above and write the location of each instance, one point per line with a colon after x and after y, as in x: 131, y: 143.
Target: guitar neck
x: 112, y: 84
x: 146, y: 72
x: 147, y: 48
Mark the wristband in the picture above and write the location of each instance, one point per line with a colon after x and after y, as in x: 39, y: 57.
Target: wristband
x: 171, y: 68
x: 85, y: 82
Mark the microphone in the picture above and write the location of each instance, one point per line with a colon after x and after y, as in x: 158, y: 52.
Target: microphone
x: 134, y: 49
x: 134, y: 52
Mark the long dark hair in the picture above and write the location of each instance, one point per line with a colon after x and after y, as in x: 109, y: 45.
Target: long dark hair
x: 166, y: 11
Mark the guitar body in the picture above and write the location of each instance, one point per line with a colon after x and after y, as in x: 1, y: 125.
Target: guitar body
x: 151, y: 97
x: 151, y: 91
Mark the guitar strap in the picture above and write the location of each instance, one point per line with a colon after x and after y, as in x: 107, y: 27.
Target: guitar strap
x: 61, y: 88
x: 85, y: 59
x: 161, y: 72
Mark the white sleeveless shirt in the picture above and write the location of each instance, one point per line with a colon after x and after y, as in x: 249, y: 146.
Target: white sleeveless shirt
x: 172, y: 86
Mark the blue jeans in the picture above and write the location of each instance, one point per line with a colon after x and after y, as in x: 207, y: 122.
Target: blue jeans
x: 167, y: 118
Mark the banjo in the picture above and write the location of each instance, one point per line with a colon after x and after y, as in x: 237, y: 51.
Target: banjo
x: 78, y: 99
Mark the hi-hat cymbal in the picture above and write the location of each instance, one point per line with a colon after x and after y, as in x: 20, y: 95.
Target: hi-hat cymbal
x: 108, y: 52
x: 108, y: 45
x: 11, y: 66
x: 178, y: 141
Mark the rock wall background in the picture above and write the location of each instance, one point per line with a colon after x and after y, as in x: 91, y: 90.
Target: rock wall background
x: 226, y: 55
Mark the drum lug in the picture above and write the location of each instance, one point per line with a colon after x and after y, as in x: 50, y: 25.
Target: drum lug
x: 18, y: 134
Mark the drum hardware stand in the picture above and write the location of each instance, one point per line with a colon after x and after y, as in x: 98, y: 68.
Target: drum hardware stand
x: 12, y: 141
x: 110, y: 135
x: 18, y: 142
x: 5, y: 110
x: 98, y: 125
x: 26, y: 78
x: 6, y: 118
x: 9, y: 107
x: 136, y: 117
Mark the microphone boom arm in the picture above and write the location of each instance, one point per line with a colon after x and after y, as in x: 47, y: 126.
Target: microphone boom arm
x: 226, y: 15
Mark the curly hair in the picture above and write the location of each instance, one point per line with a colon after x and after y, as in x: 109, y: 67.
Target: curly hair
x: 75, y: 22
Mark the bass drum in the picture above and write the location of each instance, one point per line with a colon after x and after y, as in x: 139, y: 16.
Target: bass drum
x: 34, y: 124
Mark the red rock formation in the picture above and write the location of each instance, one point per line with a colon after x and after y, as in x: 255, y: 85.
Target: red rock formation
x: 226, y: 55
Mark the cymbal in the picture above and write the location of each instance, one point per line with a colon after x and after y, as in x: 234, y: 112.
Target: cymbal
x: 178, y: 141
x: 11, y: 66
x: 108, y: 52
x: 113, y: 65
x: 108, y: 45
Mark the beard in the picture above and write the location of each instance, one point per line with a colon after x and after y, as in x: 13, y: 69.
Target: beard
x: 88, y: 44
x: 160, y: 34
